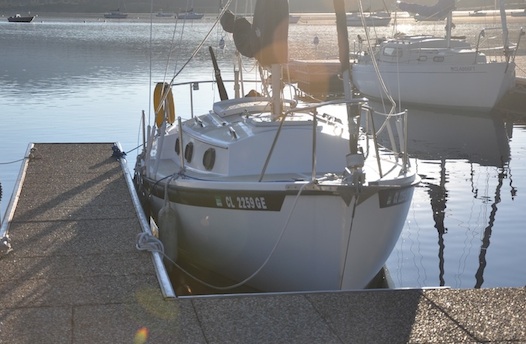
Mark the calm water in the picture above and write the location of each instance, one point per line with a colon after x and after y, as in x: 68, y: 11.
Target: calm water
x: 85, y: 80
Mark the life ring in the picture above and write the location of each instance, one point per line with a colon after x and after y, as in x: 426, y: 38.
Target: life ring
x: 166, y: 110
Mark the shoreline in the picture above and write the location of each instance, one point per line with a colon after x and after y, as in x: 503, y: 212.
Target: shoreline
x: 402, y: 18
x: 464, y: 15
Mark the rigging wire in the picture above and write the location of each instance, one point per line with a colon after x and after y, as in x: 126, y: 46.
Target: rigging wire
x: 194, y: 53
x: 349, y: 239
x: 150, y: 83
x: 375, y: 63
x: 202, y: 42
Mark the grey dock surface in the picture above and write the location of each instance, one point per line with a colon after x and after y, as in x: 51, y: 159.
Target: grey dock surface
x: 75, y: 276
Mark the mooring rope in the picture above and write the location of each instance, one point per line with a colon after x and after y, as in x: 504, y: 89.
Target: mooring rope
x: 13, y: 162
x: 148, y: 242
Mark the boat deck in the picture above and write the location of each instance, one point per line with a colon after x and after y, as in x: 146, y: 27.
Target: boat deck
x: 75, y: 276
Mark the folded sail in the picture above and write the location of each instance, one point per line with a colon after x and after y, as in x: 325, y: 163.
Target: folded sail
x: 266, y: 38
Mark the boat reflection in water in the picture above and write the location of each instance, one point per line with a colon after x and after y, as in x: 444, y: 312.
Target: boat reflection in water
x: 460, y: 155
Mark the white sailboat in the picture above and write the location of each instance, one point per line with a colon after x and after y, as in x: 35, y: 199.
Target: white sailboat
x: 277, y: 194
x: 437, y: 71
x: 521, y: 13
x: 189, y: 14
x: 371, y: 19
x: 117, y: 14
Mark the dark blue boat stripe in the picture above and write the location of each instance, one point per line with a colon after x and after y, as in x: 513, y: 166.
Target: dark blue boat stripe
x: 391, y: 197
x: 267, y: 200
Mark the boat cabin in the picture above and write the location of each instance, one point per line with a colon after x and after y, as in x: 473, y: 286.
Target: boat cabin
x: 427, y: 49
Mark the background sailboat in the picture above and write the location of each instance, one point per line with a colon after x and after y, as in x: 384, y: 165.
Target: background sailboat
x: 117, y: 14
x: 189, y: 13
x: 437, y: 71
x: 18, y: 18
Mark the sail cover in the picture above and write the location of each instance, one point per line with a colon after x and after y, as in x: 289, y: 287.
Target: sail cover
x: 437, y: 11
x: 266, y: 38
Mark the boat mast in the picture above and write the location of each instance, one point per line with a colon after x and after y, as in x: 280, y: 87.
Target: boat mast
x: 269, y: 42
x: 505, y: 39
x: 449, y: 27
x: 277, y: 105
x: 343, y: 49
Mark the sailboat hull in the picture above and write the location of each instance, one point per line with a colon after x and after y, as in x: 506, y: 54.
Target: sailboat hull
x: 322, y: 240
x: 472, y: 86
x: 370, y: 20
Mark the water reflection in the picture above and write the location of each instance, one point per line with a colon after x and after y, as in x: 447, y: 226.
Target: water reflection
x: 71, y: 81
x: 438, y: 195
x: 478, y: 138
x: 459, y: 155
x: 58, y: 58
x: 487, y: 234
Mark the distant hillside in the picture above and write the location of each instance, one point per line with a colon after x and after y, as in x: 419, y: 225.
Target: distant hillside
x: 142, y: 6
x: 212, y: 6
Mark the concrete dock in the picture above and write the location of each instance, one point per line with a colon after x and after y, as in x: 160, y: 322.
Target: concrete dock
x: 74, y: 275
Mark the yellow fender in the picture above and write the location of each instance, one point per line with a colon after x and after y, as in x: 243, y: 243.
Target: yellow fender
x: 166, y: 110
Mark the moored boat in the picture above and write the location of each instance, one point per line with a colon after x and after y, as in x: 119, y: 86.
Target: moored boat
x: 477, y: 13
x: 281, y: 195
x: 17, y: 18
x: 117, y: 14
x: 294, y: 19
x: 162, y: 14
x: 437, y: 71
x: 189, y: 15
x: 518, y: 13
x: 370, y: 19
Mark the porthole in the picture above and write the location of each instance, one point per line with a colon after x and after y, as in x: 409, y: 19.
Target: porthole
x: 189, y: 151
x: 209, y: 159
x: 177, y: 148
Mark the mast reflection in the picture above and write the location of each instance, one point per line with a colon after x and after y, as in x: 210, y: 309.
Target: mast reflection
x: 438, y: 195
x: 453, y: 141
x: 479, y: 276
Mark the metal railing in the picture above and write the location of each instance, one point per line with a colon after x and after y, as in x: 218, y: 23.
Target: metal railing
x: 394, y: 126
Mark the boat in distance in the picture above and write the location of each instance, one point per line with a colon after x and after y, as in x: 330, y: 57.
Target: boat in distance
x: 294, y: 19
x: 274, y: 193
x: 518, y: 13
x: 371, y: 19
x: 18, y: 18
x: 164, y: 15
x: 477, y: 13
x: 189, y: 15
x: 117, y: 14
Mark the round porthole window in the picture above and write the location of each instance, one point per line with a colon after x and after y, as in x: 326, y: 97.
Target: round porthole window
x: 177, y: 150
x: 189, y: 151
x: 209, y: 159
